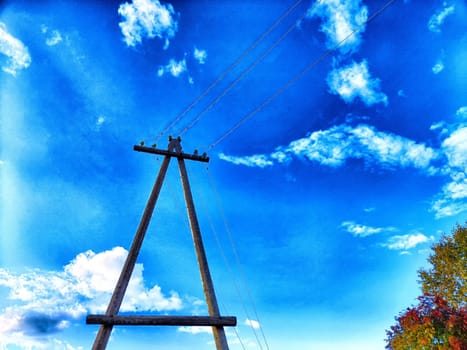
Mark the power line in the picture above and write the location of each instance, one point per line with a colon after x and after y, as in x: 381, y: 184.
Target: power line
x: 230, y: 67
x: 297, y: 77
x: 237, y: 258
x: 241, y: 76
x: 229, y: 268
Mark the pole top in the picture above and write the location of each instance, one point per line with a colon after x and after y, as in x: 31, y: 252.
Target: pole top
x: 174, y: 149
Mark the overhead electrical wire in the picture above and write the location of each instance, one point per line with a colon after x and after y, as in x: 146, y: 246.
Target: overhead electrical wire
x: 230, y: 68
x: 229, y: 268
x: 235, y: 252
x: 297, y: 77
x: 242, y: 75
x: 179, y: 206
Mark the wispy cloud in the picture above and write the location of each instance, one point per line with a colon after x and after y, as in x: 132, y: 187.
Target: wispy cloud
x: 437, y: 20
x: 147, y: 19
x: 260, y: 160
x: 252, y: 323
x: 462, y: 112
x: 406, y: 242
x: 438, y: 67
x: 339, y: 19
x: 453, y: 197
x: 174, y: 68
x: 334, y: 146
x: 195, y: 329
x: 53, y: 37
x: 15, y: 50
x: 200, y: 55
x: 455, y: 148
x: 47, y: 302
x: 354, y: 81
x: 99, y: 122
x: 360, y: 230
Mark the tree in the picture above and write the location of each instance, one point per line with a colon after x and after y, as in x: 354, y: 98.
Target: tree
x: 432, y: 325
x: 439, y: 321
x: 447, y: 277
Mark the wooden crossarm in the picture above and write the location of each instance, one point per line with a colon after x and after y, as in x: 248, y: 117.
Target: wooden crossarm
x: 200, y: 158
x: 221, y: 321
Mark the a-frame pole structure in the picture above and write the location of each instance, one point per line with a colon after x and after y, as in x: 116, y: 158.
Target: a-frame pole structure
x: 214, y: 319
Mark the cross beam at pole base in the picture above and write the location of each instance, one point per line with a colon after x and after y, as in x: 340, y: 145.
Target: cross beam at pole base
x: 221, y: 321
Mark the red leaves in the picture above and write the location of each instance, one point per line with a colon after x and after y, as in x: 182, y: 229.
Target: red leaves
x: 432, y: 324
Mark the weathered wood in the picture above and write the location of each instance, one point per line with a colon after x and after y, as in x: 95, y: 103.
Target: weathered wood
x: 105, y: 330
x: 214, y: 319
x: 213, y: 309
x: 200, y: 158
x: 221, y: 321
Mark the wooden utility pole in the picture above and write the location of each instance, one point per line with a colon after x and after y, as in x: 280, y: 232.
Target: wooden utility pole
x: 111, y: 317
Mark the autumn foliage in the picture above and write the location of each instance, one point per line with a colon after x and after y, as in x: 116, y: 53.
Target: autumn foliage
x: 439, y: 321
x: 432, y: 324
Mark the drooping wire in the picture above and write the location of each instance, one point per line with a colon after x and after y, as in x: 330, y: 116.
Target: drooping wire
x: 237, y: 258
x: 228, y: 265
x: 297, y: 77
x: 242, y: 75
x: 237, y: 334
x: 230, y: 68
x: 179, y: 206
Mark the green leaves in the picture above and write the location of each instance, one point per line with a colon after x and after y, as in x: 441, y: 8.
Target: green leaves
x: 448, y: 275
x: 439, y: 321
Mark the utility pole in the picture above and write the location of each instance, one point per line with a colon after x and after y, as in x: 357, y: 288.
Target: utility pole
x: 111, y: 317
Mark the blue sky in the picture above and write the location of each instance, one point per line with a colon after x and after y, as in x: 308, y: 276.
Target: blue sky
x: 316, y: 211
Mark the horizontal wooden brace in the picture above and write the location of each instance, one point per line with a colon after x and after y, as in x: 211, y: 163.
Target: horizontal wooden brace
x: 202, y: 158
x: 221, y: 321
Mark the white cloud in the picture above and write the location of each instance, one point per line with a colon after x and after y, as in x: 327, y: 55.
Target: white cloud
x: 437, y: 126
x: 200, y: 55
x: 252, y: 323
x: 147, y: 18
x: 16, y: 52
x: 195, y: 329
x: 174, y: 68
x: 359, y: 230
x: 405, y: 242
x: 438, y: 67
x: 354, y: 81
x: 455, y: 148
x: 46, y: 302
x: 437, y: 20
x: 445, y: 207
x: 260, y: 161
x: 340, y: 18
x: 452, y: 199
x: 334, y: 146
x: 462, y: 112
x: 100, y: 121
x: 52, y: 37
